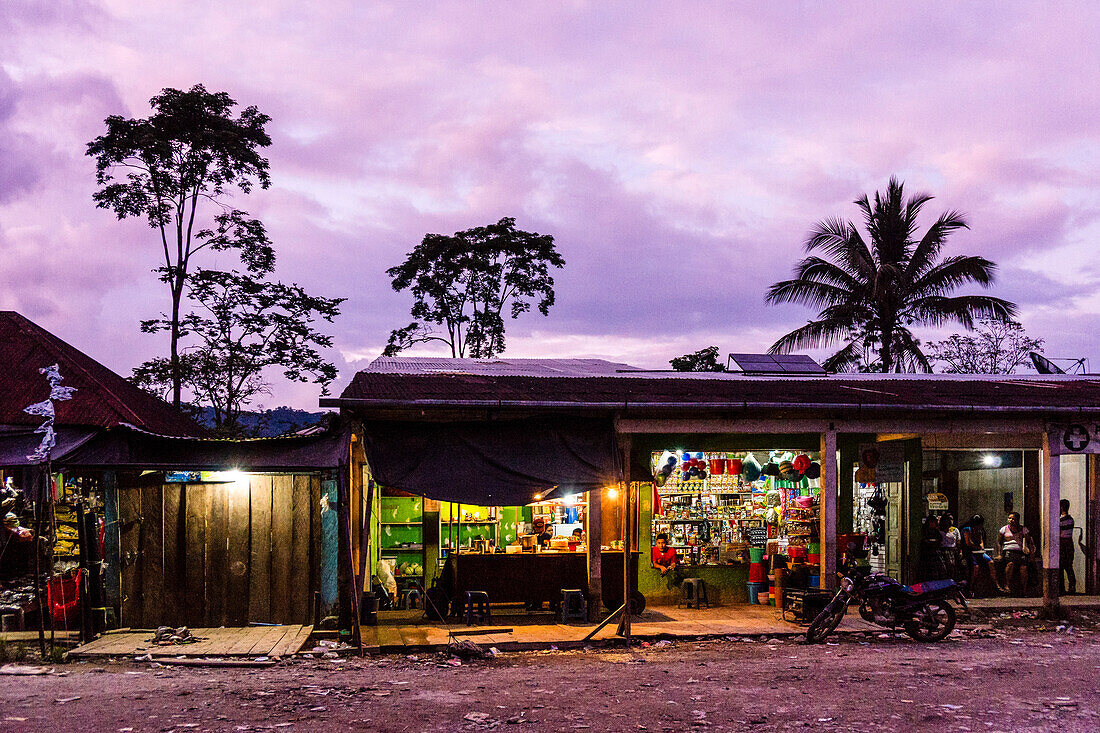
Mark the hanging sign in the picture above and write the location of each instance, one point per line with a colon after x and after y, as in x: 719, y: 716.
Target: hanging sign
x: 937, y: 502
x: 1068, y: 439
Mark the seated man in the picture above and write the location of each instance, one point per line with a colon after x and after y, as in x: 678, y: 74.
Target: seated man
x: 663, y: 557
x: 1015, y: 546
x: 16, y: 547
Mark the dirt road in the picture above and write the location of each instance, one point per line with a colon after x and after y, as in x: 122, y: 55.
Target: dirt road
x: 1021, y: 681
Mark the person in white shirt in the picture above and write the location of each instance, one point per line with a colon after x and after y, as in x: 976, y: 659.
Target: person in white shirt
x: 1014, y: 544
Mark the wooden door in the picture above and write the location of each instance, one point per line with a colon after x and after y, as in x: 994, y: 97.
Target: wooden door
x: 220, y: 554
x: 894, y: 518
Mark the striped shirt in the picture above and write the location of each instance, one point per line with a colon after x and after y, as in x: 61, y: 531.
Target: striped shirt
x: 1065, y: 527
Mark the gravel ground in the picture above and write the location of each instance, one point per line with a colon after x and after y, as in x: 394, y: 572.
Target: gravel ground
x: 987, y: 680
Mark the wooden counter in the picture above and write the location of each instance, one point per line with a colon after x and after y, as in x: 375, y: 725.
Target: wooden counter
x: 534, y: 578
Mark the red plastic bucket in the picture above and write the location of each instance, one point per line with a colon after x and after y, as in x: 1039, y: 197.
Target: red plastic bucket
x: 717, y: 466
x: 756, y: 573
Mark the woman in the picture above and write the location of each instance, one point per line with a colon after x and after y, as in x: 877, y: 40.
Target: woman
x: 1014, y: 545
x: 952, y: 537
x: 973, y: 536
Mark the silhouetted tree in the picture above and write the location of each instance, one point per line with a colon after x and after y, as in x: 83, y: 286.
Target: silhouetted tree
x: 177, y: 169
x: 465, y: 281
x: 870, y: 294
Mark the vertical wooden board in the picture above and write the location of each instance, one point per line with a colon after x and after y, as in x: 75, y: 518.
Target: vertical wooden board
x: 259, y: 577
x: 129, y: 514
x: 152, y: 548
x: 174, y: 555
x: 300, y: 587
x: 314, y: 538
x: 282, y: 536
x: 237, y: 560
x: 194, y: 573
x: 217, y: 532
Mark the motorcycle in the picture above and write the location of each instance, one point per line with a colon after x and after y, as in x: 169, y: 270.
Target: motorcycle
x: 922, y: 610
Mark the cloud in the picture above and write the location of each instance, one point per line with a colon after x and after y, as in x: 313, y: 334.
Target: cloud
x: 678, y: 154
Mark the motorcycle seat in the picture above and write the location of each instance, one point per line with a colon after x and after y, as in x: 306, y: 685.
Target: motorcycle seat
x: 928, y: 586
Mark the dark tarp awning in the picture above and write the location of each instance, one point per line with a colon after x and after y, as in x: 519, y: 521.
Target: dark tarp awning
x: 17, y: 442
x: 131, y: 447
x: 499, y: 463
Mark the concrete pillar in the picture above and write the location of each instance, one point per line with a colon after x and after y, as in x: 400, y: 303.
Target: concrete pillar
x: 595, y: 540
x: 828, y: 509
x: 1050, y: 494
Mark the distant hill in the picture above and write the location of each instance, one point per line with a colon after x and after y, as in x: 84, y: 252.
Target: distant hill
x: 269, y: 423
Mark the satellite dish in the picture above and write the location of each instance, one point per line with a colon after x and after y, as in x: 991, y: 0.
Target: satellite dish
x: 1044, y: 365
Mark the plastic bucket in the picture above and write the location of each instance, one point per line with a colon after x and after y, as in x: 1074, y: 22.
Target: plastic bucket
x: 753, y: 594
x: 815, y: 581
x: 813, y: 547
x: 756, y: 554
x: 763, y: 598
x: 795, y: 552
x: 756, y: 573
x: 813, y: 558
x: 717, y: 466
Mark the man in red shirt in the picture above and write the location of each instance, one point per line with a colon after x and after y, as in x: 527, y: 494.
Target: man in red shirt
x: 663, y: 557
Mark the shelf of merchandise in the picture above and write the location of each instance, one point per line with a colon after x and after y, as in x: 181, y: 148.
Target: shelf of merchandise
x: 452, y: 522
x: 401, y: 519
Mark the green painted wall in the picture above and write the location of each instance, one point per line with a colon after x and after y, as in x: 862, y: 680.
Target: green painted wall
x: 726, y: 584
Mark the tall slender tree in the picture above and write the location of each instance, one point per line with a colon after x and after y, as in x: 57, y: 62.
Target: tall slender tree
x: 177, y: 169
x: 871, y: 292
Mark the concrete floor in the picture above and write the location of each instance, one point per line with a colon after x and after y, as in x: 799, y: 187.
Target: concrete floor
x: 403, y: 631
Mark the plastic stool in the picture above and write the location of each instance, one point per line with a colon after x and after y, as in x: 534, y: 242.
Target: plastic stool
x: 477, y: 605
x: 694, y: 593
x: 410, y: 598
x: 573, y: 606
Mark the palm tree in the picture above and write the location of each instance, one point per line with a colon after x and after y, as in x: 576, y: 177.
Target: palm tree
x: 869, y: 296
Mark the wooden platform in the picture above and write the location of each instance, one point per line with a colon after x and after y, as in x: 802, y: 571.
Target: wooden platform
x: 30, y: 636
x: 250, y: 641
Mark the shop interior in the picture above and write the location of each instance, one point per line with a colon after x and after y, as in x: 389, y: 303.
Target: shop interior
x: 993, y: 483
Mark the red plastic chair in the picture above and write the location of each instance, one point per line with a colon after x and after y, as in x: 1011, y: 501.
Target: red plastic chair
x: 63, y: 597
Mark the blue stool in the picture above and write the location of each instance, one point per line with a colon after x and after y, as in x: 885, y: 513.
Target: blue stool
x: 477, y: 605
x: 694, y: 592
x: 410, y: 598
x: 573, y: 606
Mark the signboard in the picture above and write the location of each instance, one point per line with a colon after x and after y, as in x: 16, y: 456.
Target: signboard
x: 1072, y: 438
x: 937, y: 502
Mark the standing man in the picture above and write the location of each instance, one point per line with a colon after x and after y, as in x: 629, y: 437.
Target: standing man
x: 1065, y: 552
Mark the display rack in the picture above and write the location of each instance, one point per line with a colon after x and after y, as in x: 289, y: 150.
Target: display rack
x: 401, y: 539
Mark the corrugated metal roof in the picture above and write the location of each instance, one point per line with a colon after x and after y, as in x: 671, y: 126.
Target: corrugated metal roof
x: 631, y: 388
x: 498, y: 367
x: 102, y: 399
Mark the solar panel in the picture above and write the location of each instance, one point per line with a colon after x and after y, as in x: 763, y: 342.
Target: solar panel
x: 776, y: 364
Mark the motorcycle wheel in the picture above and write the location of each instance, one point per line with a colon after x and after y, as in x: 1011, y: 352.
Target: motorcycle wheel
x: 825, y: 623
x: 933, y: 622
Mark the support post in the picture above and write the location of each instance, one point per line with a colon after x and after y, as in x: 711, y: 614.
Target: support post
x: 628, y: 535
x: 828, y: 508
x: 595, y: 555
x: 1092, y: 523
x: 112, y: 543
x: 1050, y: 494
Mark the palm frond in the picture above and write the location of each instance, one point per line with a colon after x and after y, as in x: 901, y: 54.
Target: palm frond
x: 840, y: 240
x: 908, y: 356
x: 926, y: 251
x: 936, y: 310
x: 953, y: 272
x: 845, y: 359
x: 813, y: 335
x: 807, y: 292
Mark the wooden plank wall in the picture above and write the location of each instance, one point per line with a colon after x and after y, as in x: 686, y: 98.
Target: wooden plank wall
x: 221, y: 554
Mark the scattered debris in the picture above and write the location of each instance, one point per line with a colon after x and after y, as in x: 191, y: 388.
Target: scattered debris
x: 25, y: 670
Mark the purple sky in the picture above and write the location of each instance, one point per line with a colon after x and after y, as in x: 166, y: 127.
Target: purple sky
x: 677, y: 152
